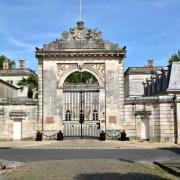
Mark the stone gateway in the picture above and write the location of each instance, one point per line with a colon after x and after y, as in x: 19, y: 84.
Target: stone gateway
x: 81, y: 50
x: 83, y: 90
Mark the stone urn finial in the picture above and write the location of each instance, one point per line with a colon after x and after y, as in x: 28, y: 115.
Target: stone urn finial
x: 80, y: 24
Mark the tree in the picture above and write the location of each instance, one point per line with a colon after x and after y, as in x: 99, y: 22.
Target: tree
x: 32, y: 83
x: 81, y: 77
x: 12, y: 63
x: 174, y: 57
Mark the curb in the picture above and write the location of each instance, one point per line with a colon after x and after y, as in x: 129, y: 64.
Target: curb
x: 168, y: 169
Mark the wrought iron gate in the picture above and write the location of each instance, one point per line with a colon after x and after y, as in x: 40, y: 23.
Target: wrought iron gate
x: 81, y: 102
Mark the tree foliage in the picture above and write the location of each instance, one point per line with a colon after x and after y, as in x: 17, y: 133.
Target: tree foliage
x: 174, y: 57
x: 81, y: 77
x: 32, y: 83
x: 12, y: 63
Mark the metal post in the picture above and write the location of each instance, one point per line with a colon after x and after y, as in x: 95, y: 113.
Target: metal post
x: 80, y: 10
x: 81, y: 132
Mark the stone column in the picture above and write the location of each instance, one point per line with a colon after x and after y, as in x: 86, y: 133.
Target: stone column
x: 178, y: 118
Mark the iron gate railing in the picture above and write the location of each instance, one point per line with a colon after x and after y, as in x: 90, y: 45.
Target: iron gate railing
x: 73, y: 129
x: 81, y: 111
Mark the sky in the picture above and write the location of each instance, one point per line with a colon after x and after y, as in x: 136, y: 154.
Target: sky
x: 150, y: 29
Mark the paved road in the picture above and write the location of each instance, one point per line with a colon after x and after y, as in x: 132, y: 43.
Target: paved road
x: 149, y: 155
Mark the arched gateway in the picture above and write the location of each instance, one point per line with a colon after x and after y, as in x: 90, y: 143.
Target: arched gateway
x: 98, y: 99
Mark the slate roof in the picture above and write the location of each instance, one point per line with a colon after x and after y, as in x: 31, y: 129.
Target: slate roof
x: 142, y: 70
x: 16, y: 72
x: 174, y: 82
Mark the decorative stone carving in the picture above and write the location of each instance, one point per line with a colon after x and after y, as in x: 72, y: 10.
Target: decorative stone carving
x: 61, y: 68
x: 100, y: 68
x: 81, y: 33
x: 80, y: 66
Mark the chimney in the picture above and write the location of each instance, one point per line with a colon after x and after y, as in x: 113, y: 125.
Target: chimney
x: 5, y: 64
x: 150, y: 64
x: 21, y: 64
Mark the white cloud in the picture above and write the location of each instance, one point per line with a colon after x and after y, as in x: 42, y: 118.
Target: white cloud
x: 14, y: 40
x: 20, y: 44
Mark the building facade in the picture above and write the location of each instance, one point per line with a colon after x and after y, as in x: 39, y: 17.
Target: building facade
x: 143, y: 101
x: 18, y: 113
x: 13, y: 75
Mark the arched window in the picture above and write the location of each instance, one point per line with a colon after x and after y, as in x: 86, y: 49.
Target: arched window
x: 68, y: 115
x: 95, y: 115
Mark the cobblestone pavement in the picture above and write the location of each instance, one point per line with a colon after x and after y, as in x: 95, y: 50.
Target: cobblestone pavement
x: 86, y: 169
x: 74, y: 143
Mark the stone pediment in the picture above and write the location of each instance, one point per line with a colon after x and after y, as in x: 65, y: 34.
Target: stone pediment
x: 80, y: 37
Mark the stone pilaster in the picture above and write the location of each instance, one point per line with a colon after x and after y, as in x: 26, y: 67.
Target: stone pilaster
x: 178, y: 119
x: 40, y: 95
x: 121, y: 91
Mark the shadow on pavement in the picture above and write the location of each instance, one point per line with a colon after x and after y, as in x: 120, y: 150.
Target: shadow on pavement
x: 118, y: 176
x: 126, y: 160
x: 174, y: 150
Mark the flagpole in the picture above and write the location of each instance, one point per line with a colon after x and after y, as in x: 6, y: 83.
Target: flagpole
x: 80, y: 13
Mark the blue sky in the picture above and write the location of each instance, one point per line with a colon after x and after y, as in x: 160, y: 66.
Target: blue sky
x: 149, y: 28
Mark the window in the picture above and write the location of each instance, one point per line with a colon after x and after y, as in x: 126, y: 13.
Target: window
x: 68, y: 115
x: 95, y: 115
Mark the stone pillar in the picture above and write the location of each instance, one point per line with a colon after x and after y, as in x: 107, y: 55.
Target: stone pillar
x: 40, y: 95
x: 121, y: 92
x: 166, y: 119
x: 102, y: 108
x: 178, y: 118
x: 114, y: 95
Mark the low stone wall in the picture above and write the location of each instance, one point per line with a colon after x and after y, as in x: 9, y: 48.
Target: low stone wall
x: 18, y: 109
x: 157, y: 110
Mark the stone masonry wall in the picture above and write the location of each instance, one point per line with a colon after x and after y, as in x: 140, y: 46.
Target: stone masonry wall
x: 158, y: 111
x: 27, y: 114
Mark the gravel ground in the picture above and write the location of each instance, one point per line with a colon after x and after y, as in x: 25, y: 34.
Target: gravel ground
x: 86, y: 169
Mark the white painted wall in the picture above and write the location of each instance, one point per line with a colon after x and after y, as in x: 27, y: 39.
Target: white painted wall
x: 14, y: 80
x: 7, y: 91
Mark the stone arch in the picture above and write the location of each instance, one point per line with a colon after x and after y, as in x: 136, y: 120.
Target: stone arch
x: 87, y: 69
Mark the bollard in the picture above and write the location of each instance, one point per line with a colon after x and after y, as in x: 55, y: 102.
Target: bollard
x: 102, y: 136
x: 123, y: 136
x: 39, y: 136
x: 3, y: 166
x: 60, y: 136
